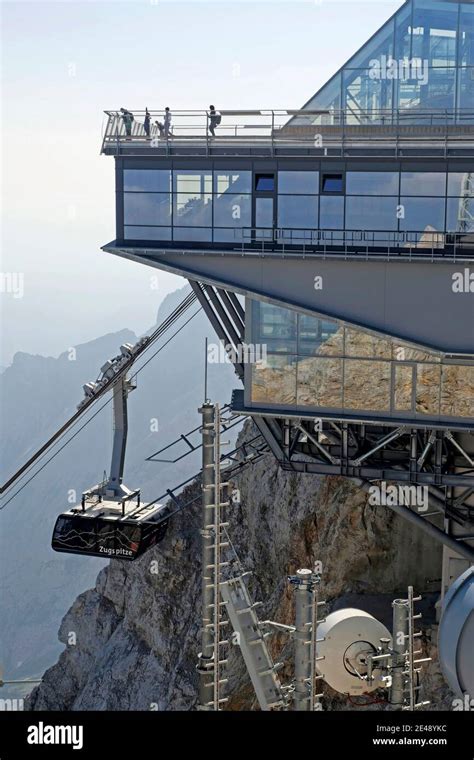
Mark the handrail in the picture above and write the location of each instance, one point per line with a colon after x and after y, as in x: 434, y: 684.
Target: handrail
x: 295, y: 112
x: 392, y: 243
x: 349, y: 243
x: 277, y: 119
x: 440, y: 129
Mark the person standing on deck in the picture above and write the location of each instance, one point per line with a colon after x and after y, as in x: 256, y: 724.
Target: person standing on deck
x: 161, y: 128
x: 146, y: 123
x: 127, y: 117
x: 167, y: 122
x: 214, y: 120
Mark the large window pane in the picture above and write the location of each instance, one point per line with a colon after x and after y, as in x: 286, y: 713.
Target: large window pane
x: 231, y: 235
x: 361, y: 344
x: 274, y: 381
x: 403, y: 388
x: 466, y: 36
x: 232, y: 210
x: 434, y: 32
x: 298, y: 183
x: 433, y: 91
x: 298, y: 212
x: 192, y: 182
x: 147, y: 233
x: 319, y: 382
x: 440, y: 91
x: 319, y: 336
x: 147, y: 208
x: 192, y: 209
x: 460, y: 215
x: 192, y: 234
x: 371, y: 213
x: 366, y: 96
x: 366, y: 385
x: 232, y: 181
x: 457, y: 391
x: 403, y: 352
x: 461, y: 183
x: 372, y: 183
x: 147, y: 180
x: 331, y: 212
x: 328, y: 99
x: 274, y: 327
x: 423, y: 183
x: 466, y: 94
x: 422, y: 214
x: 408, y: 99
x: 299, y: 237
x: 403, y: 33
x: 428, y: 380
x: 264, y: 213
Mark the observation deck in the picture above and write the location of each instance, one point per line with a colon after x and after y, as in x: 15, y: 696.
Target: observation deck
x: 296, y: 133
x: 365, y: 222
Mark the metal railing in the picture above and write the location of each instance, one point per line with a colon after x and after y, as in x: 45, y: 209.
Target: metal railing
x: 277, y: 127
x: 349, y: 243
x: 387, y: 244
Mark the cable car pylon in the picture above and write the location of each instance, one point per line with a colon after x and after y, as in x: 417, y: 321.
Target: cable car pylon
x: 94, y: 391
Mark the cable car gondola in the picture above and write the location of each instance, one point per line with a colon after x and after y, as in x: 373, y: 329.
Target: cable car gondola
x: 105, y: 529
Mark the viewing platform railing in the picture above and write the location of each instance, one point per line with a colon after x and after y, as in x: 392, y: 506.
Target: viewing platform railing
x: 276, y: 128
x: 356, y: 243
x: 278, y: 241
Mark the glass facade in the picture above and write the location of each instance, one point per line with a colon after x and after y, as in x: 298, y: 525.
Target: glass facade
x: 420, y: 61
x: 307, y: 207
x: 320, y: 364
x: 186, y: 204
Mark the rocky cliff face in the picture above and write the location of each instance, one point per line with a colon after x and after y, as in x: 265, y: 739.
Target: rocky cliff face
x: 131, y: 642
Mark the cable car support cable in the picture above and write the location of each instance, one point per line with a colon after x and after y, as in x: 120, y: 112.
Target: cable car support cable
x: 88, y: 403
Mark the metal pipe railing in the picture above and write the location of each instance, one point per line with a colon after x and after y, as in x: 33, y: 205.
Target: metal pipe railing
x: 389, y: 243
x: 277, y: 125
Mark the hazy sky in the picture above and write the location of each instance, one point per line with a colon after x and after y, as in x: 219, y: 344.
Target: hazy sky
x: 63, y: 64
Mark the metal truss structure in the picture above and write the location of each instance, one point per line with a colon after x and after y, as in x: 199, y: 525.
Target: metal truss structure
x: 415, y: 455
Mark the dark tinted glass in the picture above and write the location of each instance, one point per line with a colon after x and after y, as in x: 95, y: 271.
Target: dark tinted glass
x: 265, y: 182
x: 333, y: 183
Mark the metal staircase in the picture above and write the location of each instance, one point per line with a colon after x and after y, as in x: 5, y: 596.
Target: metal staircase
x: 252, y: 640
